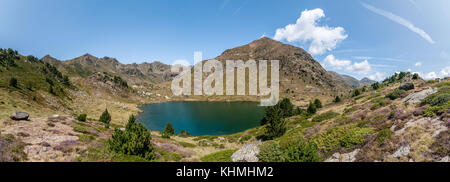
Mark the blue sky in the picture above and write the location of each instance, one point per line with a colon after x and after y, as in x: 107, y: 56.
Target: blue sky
x: 359, y: 38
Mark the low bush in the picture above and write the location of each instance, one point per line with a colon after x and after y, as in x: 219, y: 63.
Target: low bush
x: 340, y: 136
x: 383, y: 135
x: 325, y: 116
x: 301, y: 152
x: 221, y: 156
x: 397, y: 93
x: 82, y: 117
x: 271, y: 151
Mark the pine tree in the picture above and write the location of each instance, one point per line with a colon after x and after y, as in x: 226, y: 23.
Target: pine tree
x: 337, y: 99
x: 311, y: 108
x: 169, y: 129
x: 318, y: 103
x: 276, y: 124
x: 105, y: 117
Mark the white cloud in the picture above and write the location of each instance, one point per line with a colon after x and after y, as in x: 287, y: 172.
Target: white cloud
x: 331, y: 61
x: 418, y: 64
x: 321, y: 38
x: 400, y: 21
x: 445, y: 72
x: 429, y: 76
x: 359, y: 68
x: 377, y: 76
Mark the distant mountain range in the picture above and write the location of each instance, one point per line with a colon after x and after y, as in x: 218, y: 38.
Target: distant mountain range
x: 300, y: 75
x: 350, y: 81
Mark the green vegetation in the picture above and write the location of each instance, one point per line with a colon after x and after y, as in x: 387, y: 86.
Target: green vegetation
x: 105, y: 117
x: 120, y: 81
x: 135, y: 140
x: 340, y: 136
x: 184, y: 133
x: 13, y: 82
x: 169, y: 129
x: 337, y: 99
x: 271, y: 151
x: 301, y: 152
x: 356, y: 92
x: 324, y: 116
x: 378, y: 102
x: 221, y: 156
x: 436, y: 110
x: 287, y: 108
x: 312, y: 109
x: 375, y: 86
x: 318, y: 103
x: 383, y: 135
x: 82, y: 117
x: 275, y: 124
x: 186, y: 144
x: 397, y: 93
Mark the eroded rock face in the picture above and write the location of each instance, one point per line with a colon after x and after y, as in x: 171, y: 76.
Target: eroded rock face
x: 42, y: 140
x: 417, y: 97
x: 20, y: 116
x: 248, y: 153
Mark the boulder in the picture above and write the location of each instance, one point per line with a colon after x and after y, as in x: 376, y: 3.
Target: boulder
x: 347, y: 157
x: 20, y: 116
x: 248, y: 153
x: 406, y: 86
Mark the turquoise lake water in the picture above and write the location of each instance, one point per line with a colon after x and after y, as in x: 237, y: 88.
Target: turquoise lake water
x: 202, y: 118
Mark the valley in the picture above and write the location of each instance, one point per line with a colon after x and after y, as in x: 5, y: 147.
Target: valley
x: 356, y: 120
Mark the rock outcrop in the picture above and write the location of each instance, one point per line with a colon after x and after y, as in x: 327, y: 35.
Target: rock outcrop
x: 417, y: 97
x: 248, y: 153
x: 20, y: 116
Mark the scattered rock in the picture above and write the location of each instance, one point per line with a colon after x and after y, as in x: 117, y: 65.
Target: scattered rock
x: 445, y: 159
x: 347, y: 157
x: 248, y: 153
x: 20, y: 116
x: 417, y: 97
x: 402, y: 151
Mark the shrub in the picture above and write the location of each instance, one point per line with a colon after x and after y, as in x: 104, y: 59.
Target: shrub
x: 221, y: 156
x: 135, y: 140
x: 337, y: 99
x: 436, y: 110
x: 13, y: 82
x: 340, y: 136
x: 82, y: 117
x: 184, y: 133
x: 383, y: 135
x: 436, y: 99
x: 415, y: 76
x: 395, y: 94
x: 301, y: 152
x: 105, y: 117
x: 312, y: 109
x: 356, y: 92
x: 318, y: 103
x: 325, y: 116
x: 271, y: 151
x: 376, y: 86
